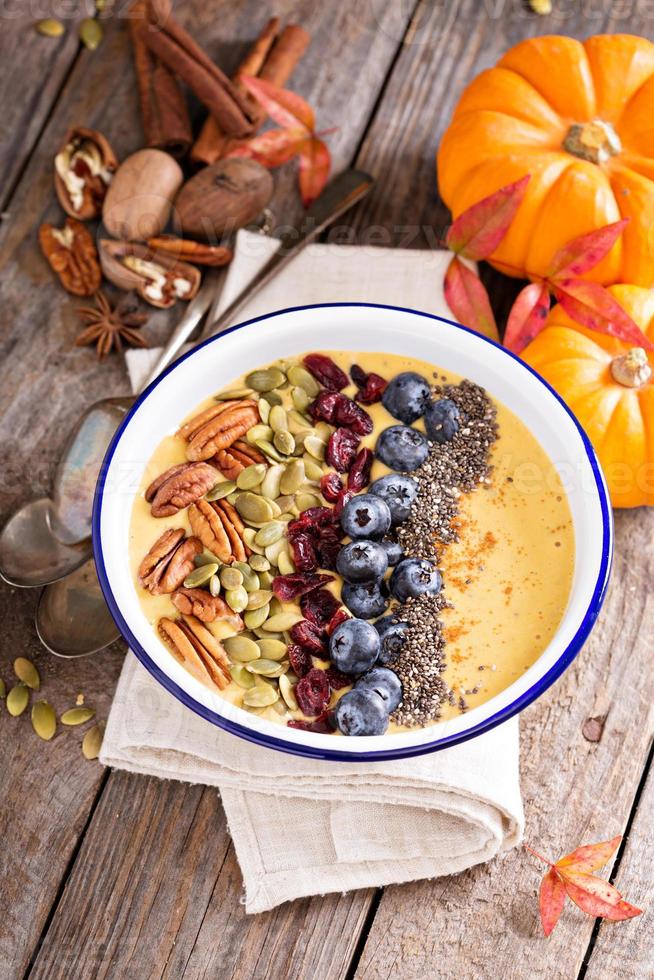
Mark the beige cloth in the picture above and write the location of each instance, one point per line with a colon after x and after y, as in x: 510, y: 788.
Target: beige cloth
x: 302, y: 827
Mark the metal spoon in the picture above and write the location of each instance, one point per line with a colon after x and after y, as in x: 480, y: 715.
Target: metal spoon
x: 72, y: 619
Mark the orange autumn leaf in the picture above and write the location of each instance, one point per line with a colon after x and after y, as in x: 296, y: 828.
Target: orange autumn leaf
x: 570, y: 876
x: 315, y: 164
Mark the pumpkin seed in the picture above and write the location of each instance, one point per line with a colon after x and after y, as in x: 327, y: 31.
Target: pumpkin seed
x: 324, y: 430
x: 268, y: 449
x: 285, y: 503
x: 259, y: 563
x: 26, y: 672
x: 250, y: 577
x: 222, y: 489
x: 259, y: 431
x: 305, y: 500
x: 301, y: 400
x: 299, y: 376
x: 214, y: 585
x: 276, y: 606
x: 315, y: 446
x: 272, y: 649
x: 282, y: 621
x: 298, y: 424
x: 251, y: 507
x: 264, y: 410
x: 265, y: 379
x: 267, y: 668
x: 231, y: 498
x: 91, y: 33
x: 313, y: 470
x: 251, y: 476
x: 77, y: 716
x: 293, y: 477
x: 261, y: 696
x: 278, y: 420
x: 236, y: 599
x: 269, y: 533
x: 234, y: 394
x: 284, y: 563
x: 206, y: 558
x: 200, y: 576
x: 254, y: 618
x: 266, y: 579
x: 274, y: 397
x: 248, y: 536
x: 259, y: 598
x: 273, y: 551
x: 92, y: 741
x: 284, y: 443
x: 287, y: 691
x: 44, y: 720
x: 50, y: 27
x: 242, y: 676
x: 18, y: 699
x: 241, y: 649
x: 230, y: 578
x: 270, y: 483
x: 3, y: 689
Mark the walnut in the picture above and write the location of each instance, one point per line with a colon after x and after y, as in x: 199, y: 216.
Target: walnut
x: 196, y: 649
x: 206, y: 607
x: 179, y: 486
x: 72, y: 255
x: 168, y: 562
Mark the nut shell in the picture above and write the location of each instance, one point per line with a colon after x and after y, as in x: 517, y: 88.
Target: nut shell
x: 137, y: 204
x: 112, y: 253
x: 223, y: 197
x: 93, y: 195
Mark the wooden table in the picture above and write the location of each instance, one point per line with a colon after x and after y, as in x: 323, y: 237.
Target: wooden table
x: 111, y: 875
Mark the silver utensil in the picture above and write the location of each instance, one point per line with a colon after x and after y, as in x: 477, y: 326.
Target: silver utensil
x: 72, y: 619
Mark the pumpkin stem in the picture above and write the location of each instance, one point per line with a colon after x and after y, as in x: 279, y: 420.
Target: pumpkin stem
x: 596, y: 141
x: 631, y: 369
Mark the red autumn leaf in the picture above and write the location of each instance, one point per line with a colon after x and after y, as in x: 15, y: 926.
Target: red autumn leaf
x: 286, y: 108
x: 315, y: 164
x: 592, y: 904
x: 592, y: 306
x: 272, y: 148
x: 479, y: 229
x: 551, y: 900
x: 467, y: 298
x: 527, y: 316
x: 583, y: 253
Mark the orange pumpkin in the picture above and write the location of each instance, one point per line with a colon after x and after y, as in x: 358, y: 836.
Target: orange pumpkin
x: 578, y: 118
x: 610, y: 388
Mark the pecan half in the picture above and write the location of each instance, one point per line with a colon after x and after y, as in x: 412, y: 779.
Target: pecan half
x: 206, y: 607
x: 219, y: 528
x: 197, y: 253
x: 190, y: 429
x: 71, y: 253
x: 178, y: 487
x: 223, y: 430
x: 232, y: 461
x: 84, y: 167
x: 168, y: 562
x: 196, y: 649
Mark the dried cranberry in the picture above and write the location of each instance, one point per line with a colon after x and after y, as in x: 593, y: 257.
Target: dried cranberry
x: 305, y: 558
x: 359, y: 475
x: 288, y: 587
x: 342, y: 500
x: 350, y: 414
x: 312, y: 692
x: 310, y: 637
x: 371, y: 386
x: 339, y: 617
x: 319, y: 516
x: 300, y: 659
x: 326, y: 372
x: 341, y: 449
x: 323, y: 409
x: 330, y: 486
x: 336, y: 679
x: 327, y: 552
x: 358, y: 375
x: 323, y: 724
x: 319, y: 606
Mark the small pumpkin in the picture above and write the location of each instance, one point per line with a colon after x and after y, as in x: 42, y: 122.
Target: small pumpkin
x: 610, y: 388
x: 577, y: 117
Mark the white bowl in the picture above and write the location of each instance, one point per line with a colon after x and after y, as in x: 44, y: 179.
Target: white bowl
x: 356, y: 327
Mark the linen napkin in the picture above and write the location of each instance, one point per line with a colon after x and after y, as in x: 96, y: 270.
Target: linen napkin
x: 303, y: 827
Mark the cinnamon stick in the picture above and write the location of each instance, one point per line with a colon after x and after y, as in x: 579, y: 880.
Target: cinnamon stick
x: 173, y: 46
x: 164, y: 115
x: 274, y: 62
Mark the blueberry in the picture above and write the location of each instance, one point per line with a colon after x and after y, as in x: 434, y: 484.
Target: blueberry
x: 442, y: 420
x: 366, y: 516
x: 393, y: 636
x: 402, y: 448
x: 366, y: 600
x: 353, y: 646
x: 413, y: 577
x: 406, y: 396
x: 399, y: 492
x: 362, y: 561
x: 393, y: 550
x: 383, y: 682
x: 361, y: 713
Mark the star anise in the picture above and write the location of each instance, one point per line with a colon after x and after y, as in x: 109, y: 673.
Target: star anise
x: 109, y: 326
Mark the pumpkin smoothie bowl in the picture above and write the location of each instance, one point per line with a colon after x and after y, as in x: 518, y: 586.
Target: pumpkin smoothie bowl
x: 350, y: 543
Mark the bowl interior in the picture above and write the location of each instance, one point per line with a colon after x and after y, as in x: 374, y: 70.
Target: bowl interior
x: 356, y: 327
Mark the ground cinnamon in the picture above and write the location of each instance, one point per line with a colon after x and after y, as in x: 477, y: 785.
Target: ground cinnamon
x: 164, y: 115
x: 271, y: 57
